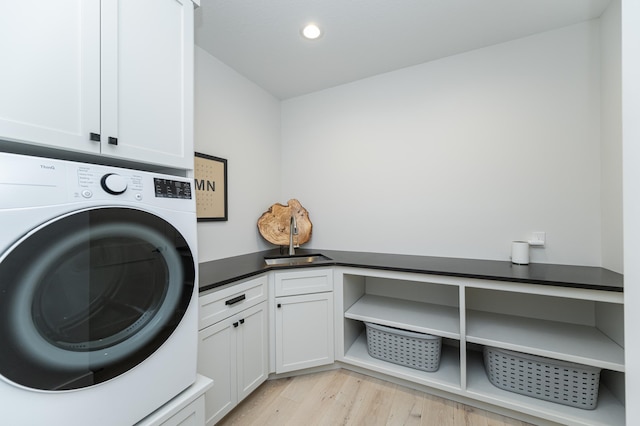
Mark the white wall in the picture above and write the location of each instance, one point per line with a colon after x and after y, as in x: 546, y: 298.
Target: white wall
x: 631, y: 179
x: 611, y: 138
x: 238, y: 121
x: 457, y: 157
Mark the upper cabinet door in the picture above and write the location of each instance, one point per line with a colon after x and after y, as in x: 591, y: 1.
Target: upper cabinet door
x: 147, y: 81
x: 50, y: 72
x: 108, y: 77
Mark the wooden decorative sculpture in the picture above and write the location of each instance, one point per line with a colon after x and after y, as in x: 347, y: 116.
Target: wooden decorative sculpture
x: 274, y: 223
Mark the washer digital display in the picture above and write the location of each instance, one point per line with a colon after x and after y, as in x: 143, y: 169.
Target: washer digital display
x: 166, y: 188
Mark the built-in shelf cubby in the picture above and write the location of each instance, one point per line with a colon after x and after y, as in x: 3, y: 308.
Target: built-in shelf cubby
x: 555, y: 327
x: 576, y: 325
x: 424, y: 307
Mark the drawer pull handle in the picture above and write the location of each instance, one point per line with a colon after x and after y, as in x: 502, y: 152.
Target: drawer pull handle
x: 279, y: 305
x: 242, y: 321
x: 235, y: 300
x: 235, y: 324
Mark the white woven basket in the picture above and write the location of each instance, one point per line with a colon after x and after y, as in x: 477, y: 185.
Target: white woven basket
x: 410, y: 349
x: 563, y: 382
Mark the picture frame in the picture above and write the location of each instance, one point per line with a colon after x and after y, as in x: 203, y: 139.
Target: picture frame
x: 210, y: 179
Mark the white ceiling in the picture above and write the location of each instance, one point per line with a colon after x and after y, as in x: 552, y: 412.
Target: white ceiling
x: 261, y: 39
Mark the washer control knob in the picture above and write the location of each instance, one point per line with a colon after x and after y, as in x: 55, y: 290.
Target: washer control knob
x: 113, y: 183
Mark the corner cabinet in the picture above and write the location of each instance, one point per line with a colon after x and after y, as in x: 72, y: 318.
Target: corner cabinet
x: 567, y: 324
x: 303, y: 319
x: 106, y: 77
x: 233, y: 344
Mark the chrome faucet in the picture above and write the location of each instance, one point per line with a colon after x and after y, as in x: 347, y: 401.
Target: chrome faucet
x: 293, y: 230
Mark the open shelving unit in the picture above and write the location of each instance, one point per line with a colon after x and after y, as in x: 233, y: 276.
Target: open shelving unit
x: 573, y: 325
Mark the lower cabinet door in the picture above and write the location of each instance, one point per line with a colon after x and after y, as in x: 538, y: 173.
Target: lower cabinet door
x: 234, y: 353
x: 304, y: 331
x: 217, y: 360
x: 253, y: 349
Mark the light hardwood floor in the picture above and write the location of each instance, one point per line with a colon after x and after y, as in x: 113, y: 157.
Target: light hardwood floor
x: 342, y: 397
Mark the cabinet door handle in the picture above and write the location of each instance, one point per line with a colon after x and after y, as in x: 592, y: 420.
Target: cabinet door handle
x: 279, y: 305
x: 113, y: 141
x: 235, y: 324
x: 235, y: 300
x: 95, y: 137
x: 242, y: 321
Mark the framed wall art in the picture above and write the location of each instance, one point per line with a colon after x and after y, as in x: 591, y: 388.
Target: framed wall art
x: 210, y: 175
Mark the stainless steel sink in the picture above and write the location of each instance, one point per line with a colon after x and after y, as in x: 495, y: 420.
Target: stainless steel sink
x: 304, y: 259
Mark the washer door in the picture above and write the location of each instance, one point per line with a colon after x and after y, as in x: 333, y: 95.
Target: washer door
x: 88, y: 296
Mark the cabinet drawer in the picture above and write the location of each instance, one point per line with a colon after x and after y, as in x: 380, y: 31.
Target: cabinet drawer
x: 303, y: 282
x: 191, y: 415
x: 220, y: 304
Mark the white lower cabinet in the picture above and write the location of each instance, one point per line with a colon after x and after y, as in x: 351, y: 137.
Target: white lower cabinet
x: 252, y: 350
x: 304, y: 331
x: 234, y: 353
x: 304, y: 324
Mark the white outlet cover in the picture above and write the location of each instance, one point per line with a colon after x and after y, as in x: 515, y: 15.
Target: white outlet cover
x: 538, y: 239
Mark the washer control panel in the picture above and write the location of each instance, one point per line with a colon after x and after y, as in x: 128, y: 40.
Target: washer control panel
x: 27, y: 181
x: 95, y: 180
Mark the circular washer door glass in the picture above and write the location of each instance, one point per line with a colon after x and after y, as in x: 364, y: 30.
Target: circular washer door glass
x: 88, y: 296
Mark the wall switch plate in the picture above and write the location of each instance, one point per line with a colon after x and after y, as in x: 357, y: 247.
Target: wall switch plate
x: 538, y: 239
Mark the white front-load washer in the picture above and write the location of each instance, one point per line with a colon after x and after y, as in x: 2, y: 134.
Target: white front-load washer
x: 98, y: 294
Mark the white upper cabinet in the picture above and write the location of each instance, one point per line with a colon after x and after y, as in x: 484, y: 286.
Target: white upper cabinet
x: 50, y: 73
x: 110, y: 77
x: 147, y: 80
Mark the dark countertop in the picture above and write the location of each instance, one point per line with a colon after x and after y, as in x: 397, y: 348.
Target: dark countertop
x: 220, y: 272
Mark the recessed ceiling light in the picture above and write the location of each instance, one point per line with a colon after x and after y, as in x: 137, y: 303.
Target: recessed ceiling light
x: 311, y: 31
